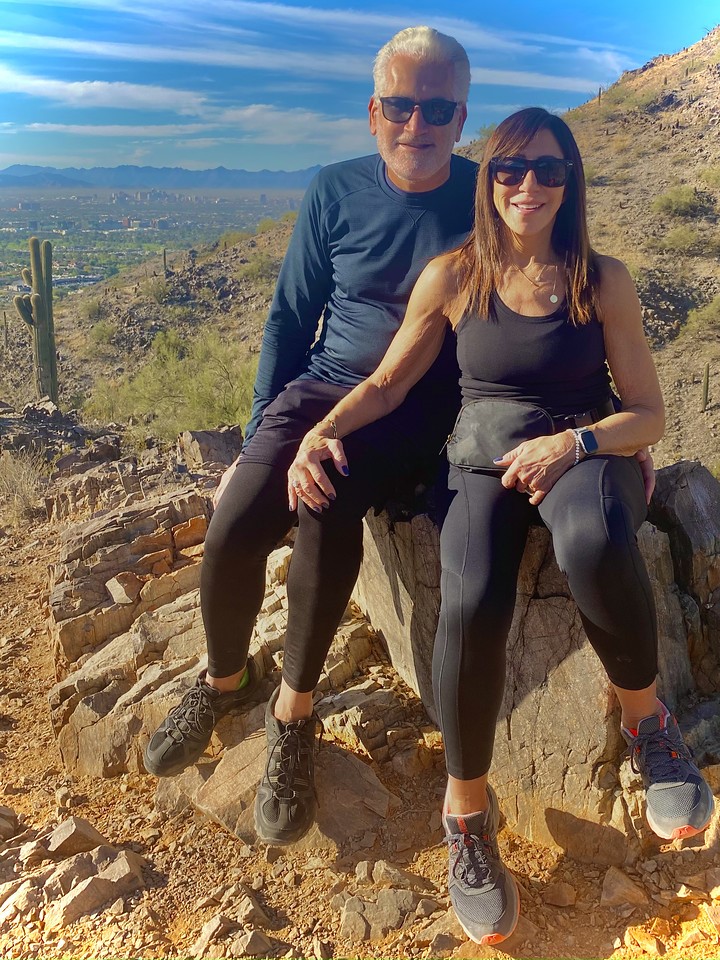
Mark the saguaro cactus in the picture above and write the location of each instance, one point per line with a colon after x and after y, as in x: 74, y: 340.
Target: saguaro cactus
x: 37, y: 311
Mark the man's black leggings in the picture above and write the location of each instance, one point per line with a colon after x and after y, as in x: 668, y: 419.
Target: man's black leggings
x: 253, y: 516
x: 593, y: 513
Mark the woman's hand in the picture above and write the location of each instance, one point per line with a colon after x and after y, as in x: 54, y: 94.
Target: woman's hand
x: 534, y: 466
x: 307, y: 481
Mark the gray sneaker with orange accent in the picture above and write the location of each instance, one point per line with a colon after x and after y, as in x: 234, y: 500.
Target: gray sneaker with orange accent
x: 678, y: 801
x: 482, y: 890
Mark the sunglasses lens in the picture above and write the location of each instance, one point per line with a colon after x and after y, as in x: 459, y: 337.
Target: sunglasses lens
x: 438, y: 113
x: 510, y: 171
x: 397, y: 109
x: 551, y: 173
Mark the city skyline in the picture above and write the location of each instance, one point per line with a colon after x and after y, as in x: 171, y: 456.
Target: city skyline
x: 283, y: 86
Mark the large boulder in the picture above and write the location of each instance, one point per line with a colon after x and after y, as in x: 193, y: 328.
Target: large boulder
x: 557, y: 741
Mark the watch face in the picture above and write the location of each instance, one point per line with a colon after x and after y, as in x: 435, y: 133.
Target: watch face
x: 588, y: 441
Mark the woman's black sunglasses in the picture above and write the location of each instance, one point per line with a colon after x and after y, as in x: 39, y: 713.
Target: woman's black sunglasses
x: 436, y: 112
x: 549, y: 171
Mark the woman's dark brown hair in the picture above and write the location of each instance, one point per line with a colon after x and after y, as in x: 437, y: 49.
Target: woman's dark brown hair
x: 483, y: 256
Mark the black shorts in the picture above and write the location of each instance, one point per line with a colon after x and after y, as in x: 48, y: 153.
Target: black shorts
x: 404, y: 446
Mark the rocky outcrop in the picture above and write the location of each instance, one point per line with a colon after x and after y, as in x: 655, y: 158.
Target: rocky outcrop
x: 128, y: 642
x: 62, y: 874
x: 557, y: 743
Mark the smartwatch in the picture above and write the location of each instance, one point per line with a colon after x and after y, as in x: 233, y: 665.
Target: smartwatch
x: 587, y: 440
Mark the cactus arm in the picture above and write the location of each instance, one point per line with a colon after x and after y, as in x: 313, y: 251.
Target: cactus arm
x: 22, y: 305
x: 27, y: 276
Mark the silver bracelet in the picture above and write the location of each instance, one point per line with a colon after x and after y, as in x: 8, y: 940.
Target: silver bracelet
x: 578, y: 449
x: 333, y: 426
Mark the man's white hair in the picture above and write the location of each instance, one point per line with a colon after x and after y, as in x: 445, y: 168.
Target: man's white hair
x: 424, y: 43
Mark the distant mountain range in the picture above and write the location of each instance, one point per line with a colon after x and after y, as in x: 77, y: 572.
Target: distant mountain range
x: 161, y: 178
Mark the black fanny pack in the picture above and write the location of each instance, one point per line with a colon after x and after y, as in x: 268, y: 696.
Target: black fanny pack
x: 488, y: 428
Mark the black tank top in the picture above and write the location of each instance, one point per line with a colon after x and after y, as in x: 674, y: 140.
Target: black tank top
x: 544, y: 360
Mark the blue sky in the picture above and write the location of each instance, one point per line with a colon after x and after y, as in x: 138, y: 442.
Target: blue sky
x: 284, y: 85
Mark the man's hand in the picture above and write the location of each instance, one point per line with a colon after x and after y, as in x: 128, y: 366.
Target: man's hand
x: 307, y: 481
x: 644, y: 458
x: 534, y: 466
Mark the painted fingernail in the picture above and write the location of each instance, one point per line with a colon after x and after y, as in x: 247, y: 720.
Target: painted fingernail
x: 498, y: 459
x: 345, y: 471
x: 331, y: 496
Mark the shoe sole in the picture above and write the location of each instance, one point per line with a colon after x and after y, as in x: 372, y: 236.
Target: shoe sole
x: 491, y: 939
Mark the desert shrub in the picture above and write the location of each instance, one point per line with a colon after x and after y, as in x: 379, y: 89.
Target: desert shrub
x: 232, y: 237
x: 155, y: 288
x: 260, y: 267
x: 681, y: 201
x: 90, y: 310
x: 185, y: 385
x: 22, y: 478
x: 711, y: 176
x: 681, y: 239
x: 102, y: 332
x: 289, y: 217
x: 265, y: 225
x: 704, y: 318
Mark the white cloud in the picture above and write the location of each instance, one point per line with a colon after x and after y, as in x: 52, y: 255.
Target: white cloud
x: 540, y: 81
x: 164, y: 130
x: 609, y: 61
x: 100, y: 93
x: 263, y: 123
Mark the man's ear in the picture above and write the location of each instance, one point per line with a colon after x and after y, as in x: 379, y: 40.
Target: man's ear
x: 462, y: 117
x: 372, y: 114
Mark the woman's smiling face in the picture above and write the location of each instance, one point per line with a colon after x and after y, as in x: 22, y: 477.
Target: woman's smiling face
x: 529, y: 209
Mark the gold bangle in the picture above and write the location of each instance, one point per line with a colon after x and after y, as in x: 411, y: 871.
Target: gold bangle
x: 333, y: 426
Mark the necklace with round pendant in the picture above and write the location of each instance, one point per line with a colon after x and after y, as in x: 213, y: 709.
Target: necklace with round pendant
x: 553, y: 297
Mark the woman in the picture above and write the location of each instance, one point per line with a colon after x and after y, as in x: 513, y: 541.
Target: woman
x: 539, y: 318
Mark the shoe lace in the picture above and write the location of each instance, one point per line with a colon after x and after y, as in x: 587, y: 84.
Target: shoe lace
x: 291, y: 755
x: 190, y: 711
x: 470, y: 858
x: 661, y: 758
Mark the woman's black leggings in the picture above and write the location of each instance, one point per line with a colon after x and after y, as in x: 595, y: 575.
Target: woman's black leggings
x: 593, y: 513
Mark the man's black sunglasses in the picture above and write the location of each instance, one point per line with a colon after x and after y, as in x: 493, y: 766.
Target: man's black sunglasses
x: 437, y: 112
x: 549, y: 171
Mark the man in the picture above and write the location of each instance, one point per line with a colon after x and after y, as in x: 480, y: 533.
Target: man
x: 366, y: 229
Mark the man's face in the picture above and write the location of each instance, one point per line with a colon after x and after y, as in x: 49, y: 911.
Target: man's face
x: 416, y: 153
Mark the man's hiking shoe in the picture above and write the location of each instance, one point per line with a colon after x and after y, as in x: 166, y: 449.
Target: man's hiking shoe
x: 184, y: 734
x: 286, y: 802
x: 678, y: 801
x: 482, y: 890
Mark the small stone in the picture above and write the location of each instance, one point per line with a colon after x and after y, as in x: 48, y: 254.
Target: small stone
x: 321, y: 950
x: 559, y: 894
x: 386, y: 875
x: 692, y: 937
x: 618, y: 890
x: 646, y: 941
x: 117, y: 908
x: 426, y: 907
x: 253, y: 944
x: 354, y: 926
x: 74, y: 835
x: 257, y: 882
x: 363, y: 871
x: 249, y: 911
x: 216, y: 928
x: 442, y: 945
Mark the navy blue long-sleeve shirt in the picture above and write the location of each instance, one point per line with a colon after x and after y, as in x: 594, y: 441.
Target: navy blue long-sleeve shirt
x: 357, y: 248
